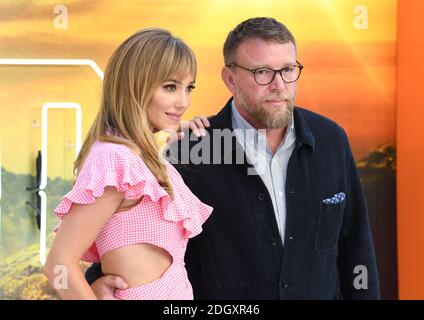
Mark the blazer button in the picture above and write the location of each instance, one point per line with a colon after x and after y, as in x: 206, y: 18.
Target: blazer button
x: 273, y: 242
x: 284, y: 284
x: 261, y: 196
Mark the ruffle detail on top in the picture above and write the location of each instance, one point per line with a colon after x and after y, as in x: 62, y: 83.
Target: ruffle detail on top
x: 117, y: 166
x: 110, y: 164
x: 195, y: 214
x: 113, y: 168
x: 192, y: 219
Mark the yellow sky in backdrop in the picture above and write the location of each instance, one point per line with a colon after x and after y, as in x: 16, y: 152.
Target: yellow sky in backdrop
x: 349, y: 74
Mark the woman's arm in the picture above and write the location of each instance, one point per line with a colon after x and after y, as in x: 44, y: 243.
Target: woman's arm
x: 76, y: 234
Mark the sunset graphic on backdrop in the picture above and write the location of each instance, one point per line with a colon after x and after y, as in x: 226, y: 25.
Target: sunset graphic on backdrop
x: 349, y: 74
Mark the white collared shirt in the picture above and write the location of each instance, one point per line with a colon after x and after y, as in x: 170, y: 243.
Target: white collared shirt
x: 274, y: 175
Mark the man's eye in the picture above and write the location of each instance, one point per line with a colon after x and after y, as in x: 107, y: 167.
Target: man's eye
x: 262, y: 72
x: 170, y: 87
x: 289, y: 69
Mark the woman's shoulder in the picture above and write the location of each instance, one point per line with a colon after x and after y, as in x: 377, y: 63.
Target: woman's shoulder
x: 118, y: 163
x: 111, y: 147
x: 112, y: 151
x: 104, y: 156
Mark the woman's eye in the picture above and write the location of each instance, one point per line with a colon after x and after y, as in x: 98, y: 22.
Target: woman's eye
x: 170, y: 87
x: 190, y: 88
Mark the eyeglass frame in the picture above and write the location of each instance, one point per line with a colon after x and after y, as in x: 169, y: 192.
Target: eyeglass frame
x: 253, y: 71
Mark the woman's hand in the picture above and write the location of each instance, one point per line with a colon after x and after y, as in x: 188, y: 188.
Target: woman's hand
x: 197, y: 125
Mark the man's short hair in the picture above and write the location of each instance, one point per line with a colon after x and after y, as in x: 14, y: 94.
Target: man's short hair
x: 264, y: 28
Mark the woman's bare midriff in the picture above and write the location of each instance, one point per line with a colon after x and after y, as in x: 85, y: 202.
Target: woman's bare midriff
x: 137, y: 264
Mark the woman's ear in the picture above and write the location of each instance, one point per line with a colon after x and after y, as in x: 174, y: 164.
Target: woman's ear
x: 228, y: 78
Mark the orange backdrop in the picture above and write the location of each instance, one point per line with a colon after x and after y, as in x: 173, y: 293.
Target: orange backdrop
x: 410, y: 143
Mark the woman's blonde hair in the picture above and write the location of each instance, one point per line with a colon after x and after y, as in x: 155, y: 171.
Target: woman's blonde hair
x: 135, y: 70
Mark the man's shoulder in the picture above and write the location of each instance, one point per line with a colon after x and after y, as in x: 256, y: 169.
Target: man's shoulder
x: 315, y: 118
x: 318, y: 122
x: 213, y: 119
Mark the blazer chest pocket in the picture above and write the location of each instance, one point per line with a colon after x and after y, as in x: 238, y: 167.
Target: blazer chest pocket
x: 329, y: 224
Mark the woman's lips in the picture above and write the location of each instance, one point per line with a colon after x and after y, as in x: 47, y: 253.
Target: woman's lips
x: 174, y: 116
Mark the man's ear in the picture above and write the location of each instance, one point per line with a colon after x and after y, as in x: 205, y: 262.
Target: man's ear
x: 228, y: 78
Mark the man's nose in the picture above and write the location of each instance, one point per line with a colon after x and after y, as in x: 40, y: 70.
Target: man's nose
x: 278, y: 82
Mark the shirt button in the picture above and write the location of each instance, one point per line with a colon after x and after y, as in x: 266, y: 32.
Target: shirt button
x: 261, y: 196
x: 280, y: 193
x: 284, y: 284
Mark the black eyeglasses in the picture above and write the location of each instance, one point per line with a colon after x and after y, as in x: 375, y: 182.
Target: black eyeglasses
x: 264, y: 76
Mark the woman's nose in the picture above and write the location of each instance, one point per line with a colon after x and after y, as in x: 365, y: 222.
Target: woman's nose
x: 184, y: 100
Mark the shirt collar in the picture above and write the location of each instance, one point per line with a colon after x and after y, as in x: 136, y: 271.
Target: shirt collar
x: 238, y: 122
x: 223, y: 120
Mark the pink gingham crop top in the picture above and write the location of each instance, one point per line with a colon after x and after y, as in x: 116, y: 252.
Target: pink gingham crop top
x: 155, y: 219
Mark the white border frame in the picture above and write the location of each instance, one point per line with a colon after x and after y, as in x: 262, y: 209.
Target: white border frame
x: 50, y: 62
x: 43, y: 184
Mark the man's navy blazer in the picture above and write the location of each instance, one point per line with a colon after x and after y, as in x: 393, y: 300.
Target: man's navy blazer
x: 328, y: 251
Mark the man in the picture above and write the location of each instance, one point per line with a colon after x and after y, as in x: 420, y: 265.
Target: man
x: 298, y: 229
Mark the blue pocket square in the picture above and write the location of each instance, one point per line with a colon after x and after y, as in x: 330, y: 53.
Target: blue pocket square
x: 337, y: 198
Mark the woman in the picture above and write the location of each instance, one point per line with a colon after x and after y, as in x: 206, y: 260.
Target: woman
x: 129, y: 208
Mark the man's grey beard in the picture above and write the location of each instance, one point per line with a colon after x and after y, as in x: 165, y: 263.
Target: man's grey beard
x: 267, y: 118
